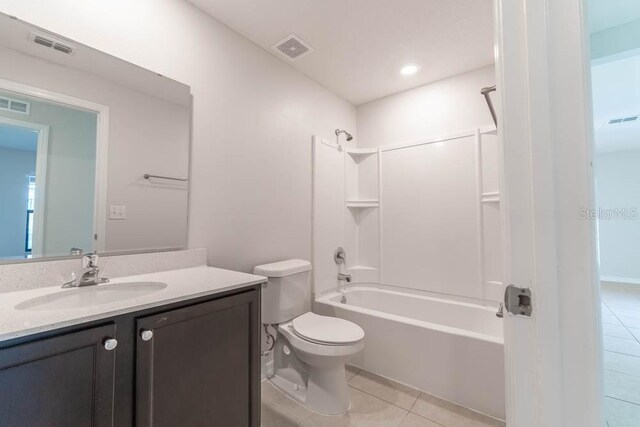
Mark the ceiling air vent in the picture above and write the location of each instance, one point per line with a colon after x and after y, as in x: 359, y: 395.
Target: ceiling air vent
x: 292, y: 47
x: 52, y: 43
x: 15, y: 105
x: 623, y: 120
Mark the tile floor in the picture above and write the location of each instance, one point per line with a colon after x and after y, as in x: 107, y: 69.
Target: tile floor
x: 375, y: 402
x: 621, y: 341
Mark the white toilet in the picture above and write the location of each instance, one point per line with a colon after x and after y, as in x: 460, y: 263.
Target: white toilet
x: 310, y: 350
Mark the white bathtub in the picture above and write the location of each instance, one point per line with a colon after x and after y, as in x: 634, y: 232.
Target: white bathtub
x: 451, y: 349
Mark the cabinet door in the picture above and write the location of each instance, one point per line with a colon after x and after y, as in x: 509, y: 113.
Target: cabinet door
x: 59, y: 382
x: 200, y: 365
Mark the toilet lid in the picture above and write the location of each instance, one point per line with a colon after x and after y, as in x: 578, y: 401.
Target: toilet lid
x: 328, y: 330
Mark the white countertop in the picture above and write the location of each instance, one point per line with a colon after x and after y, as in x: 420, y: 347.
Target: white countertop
x: 182, y: 285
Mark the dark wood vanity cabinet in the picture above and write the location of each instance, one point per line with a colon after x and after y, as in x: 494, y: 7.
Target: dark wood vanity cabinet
x: 195, y: 363
x: 62, y: 381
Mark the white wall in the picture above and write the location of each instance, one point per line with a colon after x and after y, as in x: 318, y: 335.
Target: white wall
x: 618, y: 187
x: 15, y: 167
x: 252, y: 125
x: 443, y: 107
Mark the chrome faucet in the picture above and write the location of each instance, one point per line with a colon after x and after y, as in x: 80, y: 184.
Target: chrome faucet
x: 344, y: 277
x: 90, y: 277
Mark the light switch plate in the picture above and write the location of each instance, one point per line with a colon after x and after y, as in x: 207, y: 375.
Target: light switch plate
x: 117, y: 212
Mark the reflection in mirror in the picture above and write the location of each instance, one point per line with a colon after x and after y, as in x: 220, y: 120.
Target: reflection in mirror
x: 94, y: 151
x: 47, y: 177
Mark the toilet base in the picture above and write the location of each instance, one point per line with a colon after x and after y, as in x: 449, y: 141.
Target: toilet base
x: 327, y: 390
x: 321, y: 387
x: 326, y: 393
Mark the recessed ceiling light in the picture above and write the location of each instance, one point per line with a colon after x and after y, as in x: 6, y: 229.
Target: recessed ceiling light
x: 409, y: 69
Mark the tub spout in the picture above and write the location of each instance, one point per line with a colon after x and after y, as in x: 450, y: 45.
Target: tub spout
x: 344, y: 277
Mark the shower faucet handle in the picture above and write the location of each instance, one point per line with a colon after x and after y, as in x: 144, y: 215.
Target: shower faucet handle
x: 340, y: 256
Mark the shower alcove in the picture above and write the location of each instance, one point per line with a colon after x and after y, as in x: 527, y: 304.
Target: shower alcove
x: 420, y: 223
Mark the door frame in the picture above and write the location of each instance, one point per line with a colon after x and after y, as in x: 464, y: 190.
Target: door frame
x: 37, y: 244
x: 553, y: 359
x: 102, y: 149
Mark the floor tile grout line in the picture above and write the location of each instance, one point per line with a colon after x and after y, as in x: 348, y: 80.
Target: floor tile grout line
x: 383, y: 399
x: 415, y: 402
x: 403, y: 418
x: 621, y: 372
x: 622, y: 400
x: 425, y: 418
x: 624, y: 354
x: 380, y: 398
x: 620, y: 338
x: 621, y: 322
x: 630, y: 355
x: 615, y: 336
x: 452, y: 403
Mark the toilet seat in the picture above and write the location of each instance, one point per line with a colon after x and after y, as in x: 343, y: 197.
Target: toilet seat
x: 326, y: 330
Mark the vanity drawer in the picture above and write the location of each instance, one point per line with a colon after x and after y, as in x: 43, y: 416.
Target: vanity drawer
x: 66, y: 380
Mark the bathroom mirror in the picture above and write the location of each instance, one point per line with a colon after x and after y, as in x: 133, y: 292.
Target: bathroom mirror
x: 94, y: 151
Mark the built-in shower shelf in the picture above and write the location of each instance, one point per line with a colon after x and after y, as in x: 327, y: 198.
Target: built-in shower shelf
x: 365, y: 203
x: 360, y: 153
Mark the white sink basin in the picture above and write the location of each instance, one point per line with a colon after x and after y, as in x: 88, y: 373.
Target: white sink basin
x: 74, y: 298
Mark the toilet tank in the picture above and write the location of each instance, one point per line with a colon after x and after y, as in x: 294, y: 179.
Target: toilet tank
x: 287, y: 294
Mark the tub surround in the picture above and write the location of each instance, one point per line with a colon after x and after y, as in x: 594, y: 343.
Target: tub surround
x: 183, y: 284
x: 40, y: 274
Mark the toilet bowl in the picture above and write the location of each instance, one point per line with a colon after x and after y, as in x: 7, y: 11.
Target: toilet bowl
x: 324, y: 344
x: 310, y: 351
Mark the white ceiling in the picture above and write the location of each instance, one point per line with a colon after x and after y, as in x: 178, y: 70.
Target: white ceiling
x: 616, y: 94
x: 605, y: 14
x: 360, y: 45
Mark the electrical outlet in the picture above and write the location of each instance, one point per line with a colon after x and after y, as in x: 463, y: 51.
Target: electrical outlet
x: 117, y: 212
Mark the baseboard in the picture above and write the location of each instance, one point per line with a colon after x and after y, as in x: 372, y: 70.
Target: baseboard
x: 628, y: 280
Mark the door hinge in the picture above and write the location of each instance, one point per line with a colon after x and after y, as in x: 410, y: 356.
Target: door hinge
x: 517, y: 301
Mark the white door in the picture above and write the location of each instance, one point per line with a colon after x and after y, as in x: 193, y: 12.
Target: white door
x: 553, y: 359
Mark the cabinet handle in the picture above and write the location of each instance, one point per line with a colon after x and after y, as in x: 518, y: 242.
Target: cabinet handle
x: 146, y: 334
x: 110, y: 344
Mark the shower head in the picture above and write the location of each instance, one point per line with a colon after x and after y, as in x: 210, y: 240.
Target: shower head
x: 347, y: 134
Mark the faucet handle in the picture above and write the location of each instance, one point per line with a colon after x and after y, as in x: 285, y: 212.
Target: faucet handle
x: 90, y: 261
